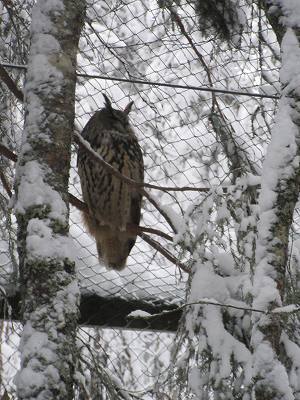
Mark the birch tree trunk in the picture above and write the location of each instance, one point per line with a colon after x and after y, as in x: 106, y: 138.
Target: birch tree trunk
x: 279, y: 194
x: 49, y: 289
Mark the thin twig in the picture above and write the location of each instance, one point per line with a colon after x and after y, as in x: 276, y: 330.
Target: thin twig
x: 153, y: 243
x: 141, y: 229
x: 112, y: 384
x: 160, y: 210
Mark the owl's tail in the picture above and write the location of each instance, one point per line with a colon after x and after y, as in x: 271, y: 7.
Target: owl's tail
x: 113, y: 250
x: 113, y: 247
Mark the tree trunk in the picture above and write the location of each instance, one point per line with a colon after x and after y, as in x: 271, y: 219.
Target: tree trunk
x: 279, y: 194
x: 47, y: 271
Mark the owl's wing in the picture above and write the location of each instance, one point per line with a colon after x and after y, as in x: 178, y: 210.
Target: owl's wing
x: 89, y: 133
x: 136, y: 197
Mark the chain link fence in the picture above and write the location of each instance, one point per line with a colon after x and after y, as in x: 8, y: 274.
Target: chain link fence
x: 198, y: 102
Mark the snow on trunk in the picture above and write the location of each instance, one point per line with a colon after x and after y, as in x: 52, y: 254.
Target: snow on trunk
x: 47, y: 269
x: 278, y: 197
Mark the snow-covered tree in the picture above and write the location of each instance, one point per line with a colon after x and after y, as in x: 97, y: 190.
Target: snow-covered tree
x: 249, y: 347
x: 48, y: 282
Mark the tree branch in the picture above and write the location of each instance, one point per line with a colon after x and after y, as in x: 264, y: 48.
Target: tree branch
x: 153, y: 243
x: 160, y: 210
x: 10, y: 83
x: 5, y: 183
x: 8, y: 153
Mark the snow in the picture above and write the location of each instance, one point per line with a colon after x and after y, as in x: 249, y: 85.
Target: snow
x: 290, y: 10
x: 35, y: 345
x: 289, y: 73
x: 138, y: 314
x: 42, y: 243
x: 225, y: 263
x: 207, y: 284
x: 196, y: 381
x: 43, y: 363
x: 273, y: 372
x: 29, y: 381
x: 33, y: 191
x: 223, y: 345
x: 281, y: 164
x: 286, y: 309
x: 281, y: 159
x: 293, y: 353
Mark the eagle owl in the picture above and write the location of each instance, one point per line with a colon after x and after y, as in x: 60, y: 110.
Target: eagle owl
x: 111, y: 202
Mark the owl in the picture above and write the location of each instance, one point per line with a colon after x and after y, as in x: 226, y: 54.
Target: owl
x: 111, y: 202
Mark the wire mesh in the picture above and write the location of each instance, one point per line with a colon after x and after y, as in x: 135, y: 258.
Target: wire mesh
x: 151, y: 42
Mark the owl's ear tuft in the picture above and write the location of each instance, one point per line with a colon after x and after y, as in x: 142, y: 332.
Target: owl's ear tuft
x: 127, y: 109
x: 107, y: 102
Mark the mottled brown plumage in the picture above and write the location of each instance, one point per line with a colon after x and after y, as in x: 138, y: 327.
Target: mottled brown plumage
x: 111, y: 202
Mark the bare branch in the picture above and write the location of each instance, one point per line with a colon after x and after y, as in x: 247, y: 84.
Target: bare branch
x: 160, y: 210
x: 165, y: 253
x: 5, y: 183
x: 8, y: 153
x: 10, y: 83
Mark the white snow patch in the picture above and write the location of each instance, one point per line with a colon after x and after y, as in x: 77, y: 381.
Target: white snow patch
x: 226, y: 263
x: 34, y: 342
x: 42, y: 243
x: 196, y: 380
x: 33, y: 191
x: 34, y: 345
x: 289, y: 73
x: 281, y: 159
x: 41, y: 72
x: 290, y: 10
x: 223, y: 345
x: 29, y: 381
x: 138, y: 314
x: 280, y: 163
x: 265, y: 361
x: 293, y: 353
x: 207, y: 284
x: 286, y: 309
